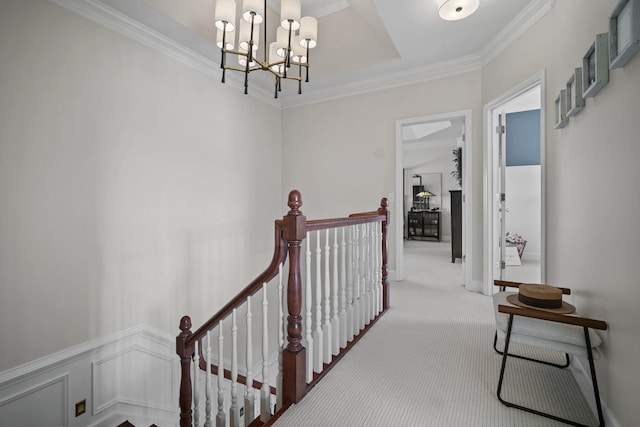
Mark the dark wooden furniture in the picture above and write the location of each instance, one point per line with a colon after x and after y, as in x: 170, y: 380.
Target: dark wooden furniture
x: 423, y: 224
x: 456, y: 224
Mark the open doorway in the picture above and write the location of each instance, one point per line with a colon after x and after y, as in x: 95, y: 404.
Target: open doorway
x: 427, y: 149
x: 514, y: 191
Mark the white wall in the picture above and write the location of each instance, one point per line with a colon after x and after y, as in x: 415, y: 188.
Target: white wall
x: 344, y: 150
x: 592, y: 243
x: 132, y: 190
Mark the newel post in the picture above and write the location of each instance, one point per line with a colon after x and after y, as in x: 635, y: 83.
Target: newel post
x: 384, y: 203
x: 294, y: 355
x: 186, y: 353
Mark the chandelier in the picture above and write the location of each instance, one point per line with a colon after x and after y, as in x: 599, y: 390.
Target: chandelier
x: 294, y: 37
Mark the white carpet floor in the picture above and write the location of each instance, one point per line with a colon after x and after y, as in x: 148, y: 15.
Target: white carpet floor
x: 429, y: 361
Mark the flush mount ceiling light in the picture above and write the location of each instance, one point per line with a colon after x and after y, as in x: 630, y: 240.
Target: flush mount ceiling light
x: 452, y: 10
x: 294, y: 37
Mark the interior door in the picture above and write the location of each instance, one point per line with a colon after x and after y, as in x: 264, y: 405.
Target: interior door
x: 501, y: 132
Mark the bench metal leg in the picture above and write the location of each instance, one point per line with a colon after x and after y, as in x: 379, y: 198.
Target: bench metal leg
x: 505, y: 354
x: 557, y: 365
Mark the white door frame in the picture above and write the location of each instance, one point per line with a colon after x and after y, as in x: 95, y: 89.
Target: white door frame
x: 466, y: 193
x: 490, y: 111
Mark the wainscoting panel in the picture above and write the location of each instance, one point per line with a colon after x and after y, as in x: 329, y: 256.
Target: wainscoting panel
x: 42, y: 404
x: 132, y: 374
x: 135, y: 376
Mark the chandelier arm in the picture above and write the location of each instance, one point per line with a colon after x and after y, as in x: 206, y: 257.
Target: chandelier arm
x: 287, y: 59
x: 307, y: 65
x: 300, y: 78
x: 247, y: 70
x: 264, y: 42
x: 275, y: 88
x: 242, y: 70
x: 250, y: 58
x: 224, y: 45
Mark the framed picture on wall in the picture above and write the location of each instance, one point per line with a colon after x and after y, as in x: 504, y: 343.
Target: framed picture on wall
x: 575, y: 101
x: 624, y: 32
x: 560, y: 114
x: 595, y: 66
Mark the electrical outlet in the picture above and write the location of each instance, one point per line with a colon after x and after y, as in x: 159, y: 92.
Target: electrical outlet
x: 81, y: 407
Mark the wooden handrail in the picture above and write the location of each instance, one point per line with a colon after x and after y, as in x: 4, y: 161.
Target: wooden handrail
x: 353, y: 219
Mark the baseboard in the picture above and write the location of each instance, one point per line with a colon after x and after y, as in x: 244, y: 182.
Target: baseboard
x: 136, y: 416
x: 475, y: 286
x: 583, y: 379
x: 133, y: 372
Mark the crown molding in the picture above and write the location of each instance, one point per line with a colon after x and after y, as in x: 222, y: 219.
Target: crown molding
x: 526, y: 19
x: 329, y: 9
x: 387, y: 81
x: 309, y: 8
x: 107, y: 16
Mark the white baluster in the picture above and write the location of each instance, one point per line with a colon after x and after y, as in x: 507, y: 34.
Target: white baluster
x: 369, y: 267
x: 350, y: 276
x: 308, y: 327
x: 369, y: 275
x: 374, y: 287
x: 365, y: 274
x: 363, y: 283
x: 343, y: 290
x: 265, y: 392
x: 335, y: 320
x: 234, y: 411
x: 249, y: 408
x: 326, y: 328
x: 356, y: 280
x: 196, y: 385
x: 281, y: 333
x: 208, y: 397
x: 379, y: 265
x: 318, y: 338
x: 375, y: 290
x: 220, y: 416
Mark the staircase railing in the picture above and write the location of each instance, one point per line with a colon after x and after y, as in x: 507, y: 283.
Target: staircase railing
x: 345, y: 290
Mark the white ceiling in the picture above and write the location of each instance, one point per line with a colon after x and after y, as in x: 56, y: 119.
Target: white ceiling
x: 363, y: 44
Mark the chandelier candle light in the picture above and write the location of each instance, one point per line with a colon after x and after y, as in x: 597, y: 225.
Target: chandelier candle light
x: 294, y: 37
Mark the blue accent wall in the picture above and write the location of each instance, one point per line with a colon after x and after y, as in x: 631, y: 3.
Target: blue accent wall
x: 523, y: 138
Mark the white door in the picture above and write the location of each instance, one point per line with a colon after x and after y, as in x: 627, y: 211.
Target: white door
x: 515, y: 186
x: 500, y: 197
